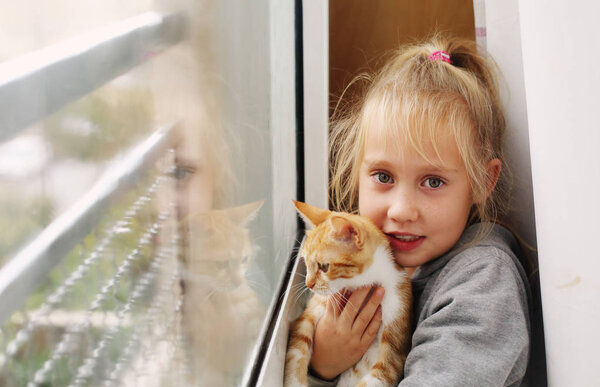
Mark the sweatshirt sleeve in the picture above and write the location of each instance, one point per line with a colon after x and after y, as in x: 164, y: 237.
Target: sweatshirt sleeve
x: 474, y: 330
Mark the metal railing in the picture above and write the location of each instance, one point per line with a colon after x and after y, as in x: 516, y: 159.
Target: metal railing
x: 20, y: 276
x: 37, y: 84
x: 94, y: 325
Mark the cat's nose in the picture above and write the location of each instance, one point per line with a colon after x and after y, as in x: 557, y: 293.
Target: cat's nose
x: 310, y: 282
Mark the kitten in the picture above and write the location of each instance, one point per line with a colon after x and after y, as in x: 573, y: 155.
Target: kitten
x: 222, y: 313
x: 344, y: 251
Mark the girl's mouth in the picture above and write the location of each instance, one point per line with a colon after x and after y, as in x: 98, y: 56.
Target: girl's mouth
x: 405, y: 242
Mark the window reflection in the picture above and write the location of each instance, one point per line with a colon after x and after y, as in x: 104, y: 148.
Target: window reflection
x: 193, y: 298
x: 222, y: 313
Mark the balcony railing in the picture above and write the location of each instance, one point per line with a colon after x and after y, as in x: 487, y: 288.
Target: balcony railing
x: 95, y: 298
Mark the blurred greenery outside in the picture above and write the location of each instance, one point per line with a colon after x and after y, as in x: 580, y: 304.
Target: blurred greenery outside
x: 96, y: 129
x: 99, y: 126
x: 20, y: 219
x: 20, y: 368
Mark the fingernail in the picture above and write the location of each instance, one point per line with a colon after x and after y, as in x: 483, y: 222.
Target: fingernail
x: 380, y: 292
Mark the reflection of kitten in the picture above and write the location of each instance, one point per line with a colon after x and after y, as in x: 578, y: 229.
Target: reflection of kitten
x: 222, y: 314
x: 345, y: 251
x: 225, y: 247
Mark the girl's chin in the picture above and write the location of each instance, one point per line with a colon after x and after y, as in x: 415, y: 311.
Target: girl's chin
x: 408, y: 261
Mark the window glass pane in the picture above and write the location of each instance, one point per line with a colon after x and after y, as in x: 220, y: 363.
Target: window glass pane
x: 31, y: 24
x: 242, y: 222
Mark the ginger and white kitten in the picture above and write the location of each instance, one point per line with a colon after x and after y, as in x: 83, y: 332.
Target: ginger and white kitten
x: 345, y: 251
x: 222, y: 313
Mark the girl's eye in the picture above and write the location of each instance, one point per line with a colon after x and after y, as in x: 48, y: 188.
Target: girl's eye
x: 434, y: 182
x: 382, y: 177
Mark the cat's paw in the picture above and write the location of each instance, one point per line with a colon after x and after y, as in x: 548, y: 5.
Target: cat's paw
x: 295, y: 382
x: 370, y: 381
x: 296, y: 379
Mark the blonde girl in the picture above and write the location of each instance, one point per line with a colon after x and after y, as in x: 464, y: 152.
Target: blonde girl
x: 420, y: 154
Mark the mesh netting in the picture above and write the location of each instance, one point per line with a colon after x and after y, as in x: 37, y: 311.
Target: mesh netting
x: 110, y: 313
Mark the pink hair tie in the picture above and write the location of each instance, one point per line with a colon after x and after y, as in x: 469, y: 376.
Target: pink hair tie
x: 440, y: 55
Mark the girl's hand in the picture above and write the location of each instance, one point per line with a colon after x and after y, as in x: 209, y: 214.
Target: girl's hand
x: 343, y: 335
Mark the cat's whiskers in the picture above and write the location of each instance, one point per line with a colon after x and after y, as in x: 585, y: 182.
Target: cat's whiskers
x: 337, y: 302
x: 341, y: 300
x: 257, y: 284
x: 349, y: 304
x: 203, y: 300
x: 259, y: 238
x: 300, y: 284
x: 297, y: 291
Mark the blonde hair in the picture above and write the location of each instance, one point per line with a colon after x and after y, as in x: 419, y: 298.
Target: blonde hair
x: 420, y: 97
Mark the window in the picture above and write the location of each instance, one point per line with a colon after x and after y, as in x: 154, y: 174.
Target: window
x: 147, y: 168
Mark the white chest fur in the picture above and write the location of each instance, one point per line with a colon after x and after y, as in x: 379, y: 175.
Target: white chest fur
x: 383, y: 272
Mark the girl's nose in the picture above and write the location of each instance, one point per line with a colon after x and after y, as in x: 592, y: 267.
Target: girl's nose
x: 403, y: 209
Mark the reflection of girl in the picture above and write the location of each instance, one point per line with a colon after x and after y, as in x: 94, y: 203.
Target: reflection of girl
x: 421, y: 156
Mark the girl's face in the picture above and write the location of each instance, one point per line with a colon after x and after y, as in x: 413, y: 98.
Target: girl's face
x: 422, y: 207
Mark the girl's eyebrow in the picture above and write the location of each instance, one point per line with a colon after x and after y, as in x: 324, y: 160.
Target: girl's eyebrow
x: 437, y: 168
x: 424, y: 166
x: 372, y: 163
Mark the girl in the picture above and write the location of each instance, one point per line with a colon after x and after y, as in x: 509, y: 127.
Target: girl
x: 421, y: 156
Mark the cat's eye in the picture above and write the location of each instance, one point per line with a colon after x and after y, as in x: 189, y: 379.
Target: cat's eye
x: 434, y: 182
x: 323, y: 267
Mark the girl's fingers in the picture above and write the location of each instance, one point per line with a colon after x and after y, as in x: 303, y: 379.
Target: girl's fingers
x: 372, y: 328
x: 345, y: 297
x: 331, y: 306
x: 368, y: 312
x: 352, y: 308
x: 336, y: 303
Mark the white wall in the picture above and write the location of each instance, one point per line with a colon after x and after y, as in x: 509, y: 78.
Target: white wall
x: 503, y: 40
x: 561, y: 62
x: 504, y: 45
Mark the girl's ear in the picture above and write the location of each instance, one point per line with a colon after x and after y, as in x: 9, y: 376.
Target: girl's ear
x: 312, y: 216
x: 493, y: 167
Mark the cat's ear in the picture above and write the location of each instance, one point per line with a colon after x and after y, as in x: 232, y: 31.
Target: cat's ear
x: 345, y: 231
x: 245, y: 213
x: 312, y: 216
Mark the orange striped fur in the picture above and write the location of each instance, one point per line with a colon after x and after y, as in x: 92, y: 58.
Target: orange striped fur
x: 345, y: 251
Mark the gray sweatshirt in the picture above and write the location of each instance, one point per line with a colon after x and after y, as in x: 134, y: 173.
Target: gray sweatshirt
x: 471, y: 309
